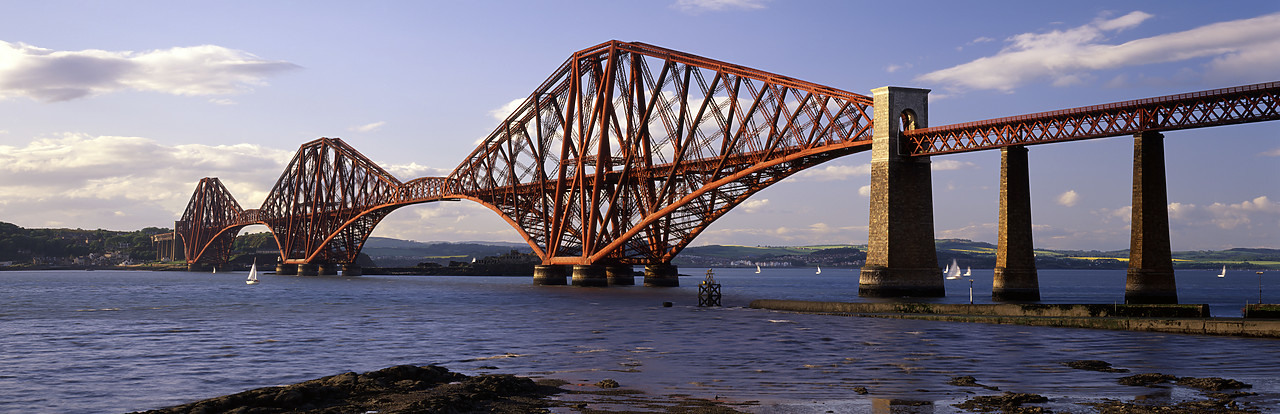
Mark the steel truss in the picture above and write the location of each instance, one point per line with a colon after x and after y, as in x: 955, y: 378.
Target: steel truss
x: 210, y: 223
x: 1238, y: 105
x: 629, y: 151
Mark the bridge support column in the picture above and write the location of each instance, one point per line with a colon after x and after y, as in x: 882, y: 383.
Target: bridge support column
x: 308, y: 269
x: 327, y: 269
x: 199, y: 267
x: 901, y: 257
x: 351, y: 269
x: 589, y: 275
x: 620, y: 275
x: 549, y: 275
x: 661, y: 275
x: 1150, y: 277
x: 1015, y: 277
x: 286, y: 269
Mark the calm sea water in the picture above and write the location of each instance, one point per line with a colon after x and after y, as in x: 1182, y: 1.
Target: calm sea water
x: 119, y: 341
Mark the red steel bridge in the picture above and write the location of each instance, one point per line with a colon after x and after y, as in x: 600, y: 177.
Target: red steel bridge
x: 628, y: 151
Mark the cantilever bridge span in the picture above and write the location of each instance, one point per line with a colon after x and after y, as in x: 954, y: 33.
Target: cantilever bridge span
x: 628, y: 151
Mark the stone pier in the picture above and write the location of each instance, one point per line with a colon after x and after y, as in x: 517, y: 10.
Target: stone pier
x: 661, y: 275
x: 1150, y: 277
x: 901, y: 257
x: 327, y: 269
x: 589, y: 275
x: 1015, y: 277
x: 620, y: 275
x: 286, y: 269
x: 308, y: 269
x: 549, y: 275
x: 352, y: 269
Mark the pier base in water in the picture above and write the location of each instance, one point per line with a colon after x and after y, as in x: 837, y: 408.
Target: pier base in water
x: 286, y: 269
x: 549, y: 275
x: 620, y: 275
x: 1015, y: 285
x: 590, y: 276
x: 661, y: 275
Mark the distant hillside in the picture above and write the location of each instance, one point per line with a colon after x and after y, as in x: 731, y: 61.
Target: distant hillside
x: 388, y: 252
x: 967, y: 253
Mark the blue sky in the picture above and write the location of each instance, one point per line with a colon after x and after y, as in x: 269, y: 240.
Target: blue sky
x: 110, y: 112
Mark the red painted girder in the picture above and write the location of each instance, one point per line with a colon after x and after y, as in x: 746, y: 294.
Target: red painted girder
x: 1227, y: 106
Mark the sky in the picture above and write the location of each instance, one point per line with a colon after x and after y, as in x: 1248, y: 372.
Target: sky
x: 111, y: 112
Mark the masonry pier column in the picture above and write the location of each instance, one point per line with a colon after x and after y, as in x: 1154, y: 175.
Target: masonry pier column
x: 620, y: 275
x: 1150, y: 277
x: 327, y: 269
x: 549, y: 275
x: 308, y: 269
x: 1015, y: 277
x: 198, y: 267
x: 351, y: 269
x: 286, y: 269
x: 901, y: 257
x: 589, y: 275
x: 661, y: 275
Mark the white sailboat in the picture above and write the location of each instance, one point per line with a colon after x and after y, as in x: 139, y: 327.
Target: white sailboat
x: 253, y: 274
x: 968, y: 271
x: 1224, y: 271
x: 819, y: 271
x: 757, y: 268
x: 953, y: 271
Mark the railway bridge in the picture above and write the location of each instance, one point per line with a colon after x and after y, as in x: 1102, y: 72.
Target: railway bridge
x: 628, y: 151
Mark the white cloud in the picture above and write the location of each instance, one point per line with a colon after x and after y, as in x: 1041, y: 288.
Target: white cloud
x: 698, y: 6
x: 222, y: 101
x: 865, y: 191
x: 52, y: 76
x: 896, y: 67
x: 87, y: 179
x: 1068, y: 198
x: 1271, y: 153
x: 501, y: 113
x: 1258, y: 213
x: 1247, y: 49
x: 834, y: 173
x: 753, y: 206
x: 1123, y: 213
x: 947, y: 165
x: 406, y: 172
x: 368, y: 127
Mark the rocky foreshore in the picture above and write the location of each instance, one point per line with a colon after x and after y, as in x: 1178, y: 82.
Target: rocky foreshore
x: 434, y: 389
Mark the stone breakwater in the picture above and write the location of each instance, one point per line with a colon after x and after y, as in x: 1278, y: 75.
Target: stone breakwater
x: 1187, y: 319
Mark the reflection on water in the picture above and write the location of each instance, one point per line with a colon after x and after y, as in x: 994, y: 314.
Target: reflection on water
x: 122, y: 341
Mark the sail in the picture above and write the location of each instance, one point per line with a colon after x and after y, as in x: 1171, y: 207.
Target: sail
x: 953, y: 271
x: 253, y: 274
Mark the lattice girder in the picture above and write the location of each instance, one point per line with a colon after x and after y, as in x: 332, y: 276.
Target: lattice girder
x: 208, y: 225
x: 320, y: 208
x: 623, y: 131
x: 1237, y: 105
